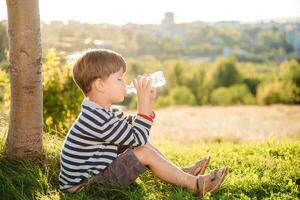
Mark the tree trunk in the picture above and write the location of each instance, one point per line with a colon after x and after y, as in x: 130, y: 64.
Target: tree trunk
x: 24, y: 139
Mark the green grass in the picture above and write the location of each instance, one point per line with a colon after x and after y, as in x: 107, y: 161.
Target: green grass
x: 266, y: 170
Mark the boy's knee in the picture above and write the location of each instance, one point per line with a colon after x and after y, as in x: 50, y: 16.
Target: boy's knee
x: 148, y: 144
x: 145, y: 150
x: 143, y: 153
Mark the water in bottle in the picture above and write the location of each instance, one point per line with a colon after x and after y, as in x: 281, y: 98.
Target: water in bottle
x: 157, y: 80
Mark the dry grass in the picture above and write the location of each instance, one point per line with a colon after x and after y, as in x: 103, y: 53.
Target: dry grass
x: 237, y: 123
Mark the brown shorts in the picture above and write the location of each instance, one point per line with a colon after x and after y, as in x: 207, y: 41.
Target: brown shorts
x: 122, y: 171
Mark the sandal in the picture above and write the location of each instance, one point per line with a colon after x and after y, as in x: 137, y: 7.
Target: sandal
x: 198, y: 168
x: 212, y: 183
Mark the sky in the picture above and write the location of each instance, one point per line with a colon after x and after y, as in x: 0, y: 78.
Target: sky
x: 121, y: 12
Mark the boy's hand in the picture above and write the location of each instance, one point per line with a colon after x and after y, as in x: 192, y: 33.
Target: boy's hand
x: 145, y: 94
x: 153, y: 93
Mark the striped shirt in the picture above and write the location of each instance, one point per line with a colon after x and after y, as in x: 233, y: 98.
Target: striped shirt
x: 92, y: 142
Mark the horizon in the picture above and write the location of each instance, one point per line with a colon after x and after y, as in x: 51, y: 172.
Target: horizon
x: 139, y: 12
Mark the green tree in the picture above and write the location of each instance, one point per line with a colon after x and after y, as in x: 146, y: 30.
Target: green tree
x: 174, y: 75
x: 198, y: 88
x: 278, y: 92
x: 236, y: 94
x: 290, y: 71
x: 223, y: 73
x: 182, y: 95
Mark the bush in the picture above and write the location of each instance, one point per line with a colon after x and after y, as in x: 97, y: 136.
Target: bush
x: 3, y: 41
x: 278, y: 92
x: 252, y: 84
x: 163, y: 101
x: 182, y: 95
x: 174, y: 75
x: 4, y: 92
x: 61, y: 97
x: 223, y: 73
x: 236, y: 94
x: 290, y: 71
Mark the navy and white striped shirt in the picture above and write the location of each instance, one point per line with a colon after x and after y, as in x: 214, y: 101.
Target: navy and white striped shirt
x: 92, y: 142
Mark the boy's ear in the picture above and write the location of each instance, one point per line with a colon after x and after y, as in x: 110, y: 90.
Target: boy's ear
x: 99, y: 85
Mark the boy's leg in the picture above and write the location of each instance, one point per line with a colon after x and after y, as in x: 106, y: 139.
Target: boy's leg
x: 163, y: 168
x: 196, y: 169
x: 170, y: 173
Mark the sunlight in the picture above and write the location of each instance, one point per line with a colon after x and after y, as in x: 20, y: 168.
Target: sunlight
x: 152, y: 12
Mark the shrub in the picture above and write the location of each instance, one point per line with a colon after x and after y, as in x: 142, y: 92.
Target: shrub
x: 278, y: 92
x: 236, y: 94
x: 4, y: 92
x: 163, y: 101
x: 252, y: 84
x: 61, y: 96
x: 3, y: 41
x: 290, y: 71
x: 182, y: 95
x: 223, y: 73
x: 174, y: 75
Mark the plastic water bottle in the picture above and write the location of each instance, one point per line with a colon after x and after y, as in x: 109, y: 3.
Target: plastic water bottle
x: 157, y: 80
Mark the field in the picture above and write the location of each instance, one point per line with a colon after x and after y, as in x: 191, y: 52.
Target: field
x: 234, y: 123
x: 261, y: 145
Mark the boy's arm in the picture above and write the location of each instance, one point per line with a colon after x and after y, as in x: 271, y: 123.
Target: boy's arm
x: 121, y: 115
x: 119, y: 131
x: 116, y: 130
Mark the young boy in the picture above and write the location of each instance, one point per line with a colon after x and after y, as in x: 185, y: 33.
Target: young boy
x: 113, y: 149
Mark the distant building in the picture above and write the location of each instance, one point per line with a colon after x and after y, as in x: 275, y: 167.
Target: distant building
x: 226, y: 51
x: 74, y: 23
x: 293, y: 36
x: 103, y: 44
x: 168, y: 21
x: 57, y: 23
x: 235, y: 24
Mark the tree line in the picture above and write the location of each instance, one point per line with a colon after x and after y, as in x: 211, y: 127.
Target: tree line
x: 226, y: 81
x: 248, y: 42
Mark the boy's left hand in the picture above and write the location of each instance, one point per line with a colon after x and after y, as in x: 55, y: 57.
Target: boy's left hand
x: 153, y: 93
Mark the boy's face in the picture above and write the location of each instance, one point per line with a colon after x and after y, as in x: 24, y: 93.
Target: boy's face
x: 114, y: 87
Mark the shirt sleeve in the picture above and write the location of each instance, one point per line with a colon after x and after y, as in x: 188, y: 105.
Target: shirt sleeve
x: 117, y: 130
x: 130, y: 118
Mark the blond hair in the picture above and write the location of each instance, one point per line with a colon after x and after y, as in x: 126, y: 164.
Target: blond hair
x: 93, y: 64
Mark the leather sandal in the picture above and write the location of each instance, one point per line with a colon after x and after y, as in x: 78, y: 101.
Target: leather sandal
x: 198, y: 168
x: 211, y: 184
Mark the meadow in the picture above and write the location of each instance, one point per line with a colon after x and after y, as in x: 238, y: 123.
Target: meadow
x: 262, y: 149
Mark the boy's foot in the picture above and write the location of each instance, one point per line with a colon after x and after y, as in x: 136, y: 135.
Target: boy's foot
x: 198, y: 168
x: 210, y: 182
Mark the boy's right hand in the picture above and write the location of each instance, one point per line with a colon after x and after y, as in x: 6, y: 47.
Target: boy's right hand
x: 143, y: 88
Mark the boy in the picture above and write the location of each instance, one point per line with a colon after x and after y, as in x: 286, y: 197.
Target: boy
x: 113, y: 149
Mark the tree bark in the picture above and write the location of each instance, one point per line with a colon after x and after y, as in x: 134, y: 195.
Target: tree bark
x: 24, y: 139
